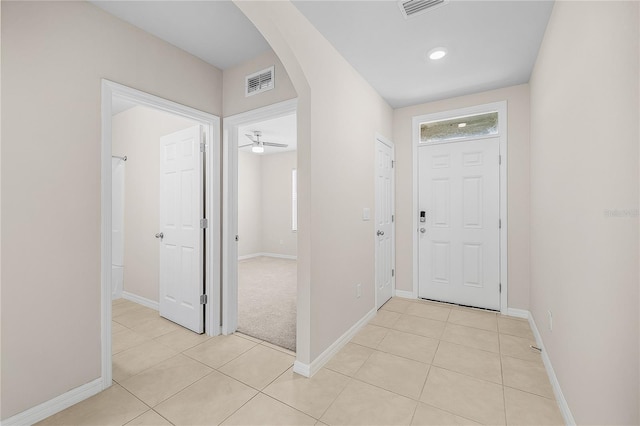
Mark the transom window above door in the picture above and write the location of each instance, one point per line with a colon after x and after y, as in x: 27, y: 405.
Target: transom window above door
x: 470, y: 126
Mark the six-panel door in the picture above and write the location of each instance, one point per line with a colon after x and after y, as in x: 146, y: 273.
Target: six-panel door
x: 459, y: 247
x: 181, y: 208
x: 384, y: 222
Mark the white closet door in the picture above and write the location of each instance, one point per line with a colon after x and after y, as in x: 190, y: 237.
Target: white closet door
x: 181, y: 208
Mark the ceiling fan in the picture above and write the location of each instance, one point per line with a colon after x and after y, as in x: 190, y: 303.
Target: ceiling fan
x: 257, y: 145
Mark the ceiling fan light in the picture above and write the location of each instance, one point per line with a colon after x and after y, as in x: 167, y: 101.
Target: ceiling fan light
x: 437, y: 53
x: 257, y: 149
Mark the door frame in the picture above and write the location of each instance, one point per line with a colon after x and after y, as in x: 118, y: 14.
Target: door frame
x: 230, y: 204
x: 390, y: 144
x: 211, y: 127
x: 501, y: 108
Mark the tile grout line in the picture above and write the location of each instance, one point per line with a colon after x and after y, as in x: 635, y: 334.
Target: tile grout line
x: 388, y: 328
x: 291, y: 406
x: 247, y: 384
x: 325, y: 410
x: 163, y: 416
x: 336, y: 398
x: 238, y: 409
x: 227, y: 362
x: 181, y: 389
x: 141, y: 401
x: 504, y: 396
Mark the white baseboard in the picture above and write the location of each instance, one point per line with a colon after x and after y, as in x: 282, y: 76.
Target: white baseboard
x: 562, y: 402
x: 309, y: 370
x: 141, y: 300
x: 405, y: 294
x: 249, y: 256
x: 276, y: 255
x: 518, y: 313
x: 280, y: 256
x: 55, y: 405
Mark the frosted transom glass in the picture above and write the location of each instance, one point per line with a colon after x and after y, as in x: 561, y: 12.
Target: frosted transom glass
x: 479, y: 125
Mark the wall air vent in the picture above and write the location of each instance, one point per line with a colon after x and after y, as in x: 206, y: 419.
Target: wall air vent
x: 413, y: 8
x: 259, y: 82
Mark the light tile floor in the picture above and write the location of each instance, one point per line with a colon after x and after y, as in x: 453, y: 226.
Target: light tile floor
x: 416, y: 362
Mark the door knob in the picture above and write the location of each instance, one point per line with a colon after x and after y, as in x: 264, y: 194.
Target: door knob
x: 380, y: 233
x: 160, y: 235
x: 422, y: 230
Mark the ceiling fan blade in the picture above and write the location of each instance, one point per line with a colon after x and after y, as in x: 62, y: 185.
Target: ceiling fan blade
x: 250, y: 137
x: 242, y: 146
x: 279, y: 145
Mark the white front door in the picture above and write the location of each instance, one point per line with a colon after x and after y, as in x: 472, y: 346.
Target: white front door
x: 181, y: 237
x: 459, y: 240
x: 384, y: 222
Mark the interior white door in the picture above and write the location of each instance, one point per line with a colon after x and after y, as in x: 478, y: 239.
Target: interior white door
x: 384, y: 222
x: 459, y: 241
x: 181, y: 237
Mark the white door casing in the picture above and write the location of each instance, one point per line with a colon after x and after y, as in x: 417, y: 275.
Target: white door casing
x: 230, y: 210
x: 459, y: 242
x: 384, y: 222
x: 117, y: 226
x: 211, y: 124
x: 181, y: 208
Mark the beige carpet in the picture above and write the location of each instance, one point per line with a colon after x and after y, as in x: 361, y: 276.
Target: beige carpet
x: 267, y: 300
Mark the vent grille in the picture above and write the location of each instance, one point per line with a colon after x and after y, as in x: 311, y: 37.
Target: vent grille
x: 259, y: 82
x: 417, y: 7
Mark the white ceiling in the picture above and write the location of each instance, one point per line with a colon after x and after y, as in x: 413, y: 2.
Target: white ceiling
x: 215, y: 31
x: 491, y: 44
x: 278, y: 130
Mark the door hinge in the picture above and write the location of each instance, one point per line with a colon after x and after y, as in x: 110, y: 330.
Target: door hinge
x: 499, y: 159
x: 203, y: 299
x: 499, y: 223
x: 393, y: 218
x: 203, y: 146
x: 500, y: 287
x: 393, y: 272
x: 204, y: 223
x: 237, y: 238
x: 393, y: 163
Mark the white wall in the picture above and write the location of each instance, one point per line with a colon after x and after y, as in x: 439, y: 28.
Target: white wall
x: 54, y: 55
x: 264, y: 204
x: 517, y: 98
x: 249, y: 204
x: 277, y: 236
x: 338, y: 112
x: 136, y: 133
x: 584, y: 164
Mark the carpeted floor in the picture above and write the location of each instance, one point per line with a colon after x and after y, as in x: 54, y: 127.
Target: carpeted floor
x: 267, y: 300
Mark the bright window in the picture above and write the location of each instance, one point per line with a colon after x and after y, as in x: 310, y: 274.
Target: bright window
x: 294, y: 200
x: 471, y: 126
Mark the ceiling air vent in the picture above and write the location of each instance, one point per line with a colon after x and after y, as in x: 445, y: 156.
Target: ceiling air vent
x: 413, y: 8
x: 259, y: 82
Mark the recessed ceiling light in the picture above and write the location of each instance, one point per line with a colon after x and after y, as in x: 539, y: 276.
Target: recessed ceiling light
x: 462, y: 124
x: 437, y: 53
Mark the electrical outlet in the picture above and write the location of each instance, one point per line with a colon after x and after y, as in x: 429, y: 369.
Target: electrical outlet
x: 550, y: 320
x: 358, y: 290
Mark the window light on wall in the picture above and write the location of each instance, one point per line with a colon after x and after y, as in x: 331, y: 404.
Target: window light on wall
x: 294, y: 200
